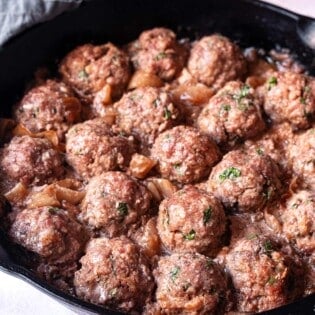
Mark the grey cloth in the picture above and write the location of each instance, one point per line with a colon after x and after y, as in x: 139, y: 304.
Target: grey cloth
x: 17, y: 15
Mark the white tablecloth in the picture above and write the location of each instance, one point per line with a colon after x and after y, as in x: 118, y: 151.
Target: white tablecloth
x: 19, y: 298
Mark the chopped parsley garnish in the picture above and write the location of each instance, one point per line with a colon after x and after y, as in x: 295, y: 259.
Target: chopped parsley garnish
x: 260, y: 151
x: 230, y: 173
x: 113, y: 292
x: 272, y: 82
x: 209, y: 263
x: 252, y: 236
x: 305, y: 94
x: 271, y: 280
x: 190, y: 236
x: 174, y: 273
x: 156, y: 102
x: 268, y: 193
x: 244, y: 92
x: 207, y: 215
x: 83, y: 74
x: 177, y: 166
x: 53, y: 210
x: 122, y: 208
x: 268, y: 248
x: 167, y: 113
x: 226, y: 107
x: 160, y: 56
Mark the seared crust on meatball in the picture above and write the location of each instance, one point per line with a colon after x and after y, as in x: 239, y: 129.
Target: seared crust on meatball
x: 88, y: 68
x: 114, y: 273
x: 145, y: 113
x: 191, y: 220
x: 190, y: 283
x: 31, y: 160
x: 290, y: 97
x: 113, y: 202
x: 263, y: 277
x: 295, y: 220
x: 49, y: 232
x: 245, y: 181
x: 49, y: 106
x: 93, y: 148
x: 157, y: 51
x: 301, y: 152
x: 214, y: 60
x: 184, y: 154
x: 232, y: 114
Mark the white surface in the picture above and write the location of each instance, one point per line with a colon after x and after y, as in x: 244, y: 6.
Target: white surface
x: 19, y: 298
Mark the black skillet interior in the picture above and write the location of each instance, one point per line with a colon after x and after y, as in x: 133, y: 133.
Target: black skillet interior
x: 249, y: 22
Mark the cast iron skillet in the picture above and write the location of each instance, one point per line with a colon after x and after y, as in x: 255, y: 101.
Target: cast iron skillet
x: 249, y: 22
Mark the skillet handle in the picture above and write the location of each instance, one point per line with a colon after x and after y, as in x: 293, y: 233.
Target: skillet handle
x: 306, y: 31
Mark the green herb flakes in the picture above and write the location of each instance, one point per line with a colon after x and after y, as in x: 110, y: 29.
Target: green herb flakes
x: 83, y: 74
x: 167, y: 114
x: 160, y: 56
x: 268, y: 247
x: 122, y: 208
x: 190, y: 236
x: 53, y: 210
x: 230, y: 173
x: 272, y: 82
x: 174, y: 273
x: 207, y: 215
x: 260, y: 151
x: 226, y: 107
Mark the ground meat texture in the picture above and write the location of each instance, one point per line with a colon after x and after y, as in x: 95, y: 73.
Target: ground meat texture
x: 93, y: 148
x: 49, y: 106
x: 245, y: 181
x: 145, y: 113
x: 297, y: 220
x: 31, y: 160
x: 115, y: 274
x: 290, y: 97
x: 113, y: 202
x: 214, y: 60
x: 301, y: 152
x: 184, y: 154
x: 191, y: 220
x: 190, y: 283
x: 232, y: 114
x: 157, y: 51
x: 49, y: 232
x: 88, y: 68
x: 262, y: 276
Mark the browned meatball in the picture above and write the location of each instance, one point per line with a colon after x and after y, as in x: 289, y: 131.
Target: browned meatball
x: 191, y: 220
x: 157, y: 51
x: 263, y: 277
x: 301, y: 152
x: 49, y: 106
x: 245, y: 181
x: 184, y: 154
x: 113, y: 202
x: 49, y: 232
x: 190, y: 284
x: 88, y: 68
x: 115, y: 274
x: 296, y: 220
x: 232, y: 114
x: 92, y: 148
x: 214, y: 60
x: 290, y: 97
x: 145, y: 113
x: 31, y: 160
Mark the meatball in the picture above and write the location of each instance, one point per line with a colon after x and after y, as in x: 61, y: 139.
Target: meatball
x: 49, y: 232
x: 214, y: 61
x: 297, y: 220
x: 157, y: 51
x: 115, y: 274
x: 232, y: 114
x: 49, y: 106
x: 245, y: 181
x: 301, y: 152
x: 191, y: 220
x: 184, y: 154
x: 88, y: 68
x: 190, y: 283
x: 145, y: 113
x: 290, y: 97
x: 93, y: 148
x: 31, y: 160
x: 113, y: 202
x: 263, y: 277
